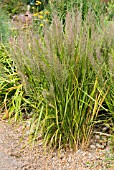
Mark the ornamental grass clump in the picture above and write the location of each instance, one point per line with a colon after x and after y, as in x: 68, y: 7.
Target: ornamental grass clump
x: 58, y: 71
x: 11, y: 91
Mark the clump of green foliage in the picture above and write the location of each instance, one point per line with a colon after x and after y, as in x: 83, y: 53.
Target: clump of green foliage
x: 11, y: 91
x: 64, y: 72
x: 12, y: 7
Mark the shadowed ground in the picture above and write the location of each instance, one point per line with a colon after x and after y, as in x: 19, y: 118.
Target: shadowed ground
x: 14, y: 157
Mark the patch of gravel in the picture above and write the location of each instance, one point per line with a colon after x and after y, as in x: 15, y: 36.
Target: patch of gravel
x: 14, y: 157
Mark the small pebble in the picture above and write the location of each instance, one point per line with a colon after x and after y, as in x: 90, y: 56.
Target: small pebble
x: 99, y: 146
x: 97, y: 137
x: 105, y: 128
x: 69, y: 160
x: 92, y: 146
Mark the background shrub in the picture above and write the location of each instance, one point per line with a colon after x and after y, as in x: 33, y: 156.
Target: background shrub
x: 12, y: 7
x: 4, y: 27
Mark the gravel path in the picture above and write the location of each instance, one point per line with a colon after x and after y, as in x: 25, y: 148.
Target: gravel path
x: 14, y: 157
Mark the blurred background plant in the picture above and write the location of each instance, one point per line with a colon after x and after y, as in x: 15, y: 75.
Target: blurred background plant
x: 110, y: 10
x: 4, y: 27
x: 12, y: 7
x: 63, y: 6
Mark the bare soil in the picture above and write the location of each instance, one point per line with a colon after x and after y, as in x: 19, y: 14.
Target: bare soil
x: 16, y: 154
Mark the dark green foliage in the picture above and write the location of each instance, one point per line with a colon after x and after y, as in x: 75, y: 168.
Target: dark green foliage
x: 12, y: 7
x: 4, y: 27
